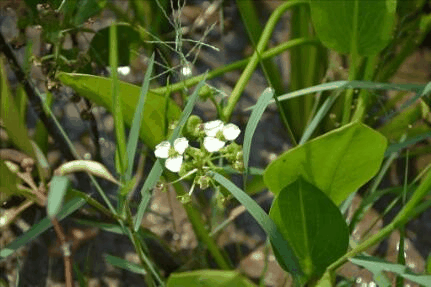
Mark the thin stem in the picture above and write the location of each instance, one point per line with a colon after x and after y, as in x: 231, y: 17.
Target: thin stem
x: 67, y: 256
x: 254, y: 61
x: 237, y: 65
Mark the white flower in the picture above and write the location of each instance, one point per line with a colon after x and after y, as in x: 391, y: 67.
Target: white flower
x: 213, y: 144
x: 231, y: 132
x: 162, y: 149
x: 174, y: 158
x: 180, y: 145
x: 174, y: 163
x: 213, y: 127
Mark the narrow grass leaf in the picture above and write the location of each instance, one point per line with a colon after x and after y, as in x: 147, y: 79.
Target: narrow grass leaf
x: 187, y: 111
x: 137, y: 120
x: 349, y: 85
x: 40, y: 227
x: 377, y: 265
x: 281, y: 245
x: 120, y: 133
x: 394, y: 148
x: 57, y: 191
x: 326, y: 106
x: 157, y: 169
x: 113, y: 228
x: 254, y: 119
x: 124, y: 264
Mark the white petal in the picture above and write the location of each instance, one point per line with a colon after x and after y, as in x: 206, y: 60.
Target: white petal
x: 231, y: 132
x: 212, y: 144
x: 180, y: 145
x: 174, y: 163
x: 211, y: 128
x: 162, y: 149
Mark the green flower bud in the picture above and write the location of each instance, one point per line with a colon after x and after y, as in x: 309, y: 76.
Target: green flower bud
x: 184, y: 199
x: 206, y: 92
x: 193, y: 127
x: 204, y: 182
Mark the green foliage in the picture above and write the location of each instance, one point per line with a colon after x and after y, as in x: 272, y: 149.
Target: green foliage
x: 306, y: 228
x: 377, y: 266
x: 128, y: 41
x: 354, y: 26
x: 57, y: 192
x: 338, y: 163
x: 312, y: 224
x: 98, y: 89
x: 213, y: 278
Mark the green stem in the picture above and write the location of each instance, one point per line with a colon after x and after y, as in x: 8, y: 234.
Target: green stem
x: 403, y: 216
x: 363, y: 99
x: 236, y: 65
x: 349, y: 93
x: 250, y: 19
x: 254, y: 61
x: 200, y: 230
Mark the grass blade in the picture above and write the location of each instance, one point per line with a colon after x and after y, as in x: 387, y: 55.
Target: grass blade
x: 326, y: 106
x: 349, y: 85
x: 137, y: 120
x: 254, y: 119
x: 124, y: 264
x: 57, y: 191
x: 40, y: 227
x: 120, y: 133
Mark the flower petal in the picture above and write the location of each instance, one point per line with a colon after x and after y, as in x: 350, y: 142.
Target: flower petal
x: 174, y: 163
x: 162, y: 149
x: 211, y: 128
x: 231, y: 132
x: 213, y: 144
x: 180, y: 145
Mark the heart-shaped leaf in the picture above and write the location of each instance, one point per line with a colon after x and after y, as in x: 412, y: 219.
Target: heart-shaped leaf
x: 312, y: 224
x: 338, y: 162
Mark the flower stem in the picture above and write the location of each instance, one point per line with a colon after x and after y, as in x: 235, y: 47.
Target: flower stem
x: 200, y: 229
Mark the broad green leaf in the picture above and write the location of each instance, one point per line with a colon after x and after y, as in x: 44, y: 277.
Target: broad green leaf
x: 209, y: 278
x: 312, y: 224
x: 12, y: 121
x: 98, y: 89
x: 354, y: 26
x: 128, y: 40
x: 287, y: 258
x: 377, y: 265
x: 338, y: 162
x: 57, y: 190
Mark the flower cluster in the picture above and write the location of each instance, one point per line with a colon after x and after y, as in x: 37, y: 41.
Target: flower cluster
x: 214, y: 137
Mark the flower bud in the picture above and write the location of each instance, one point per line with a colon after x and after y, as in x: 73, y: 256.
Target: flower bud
x: 192, y: 128
x: 204, y: 182
x: 206, y: 92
